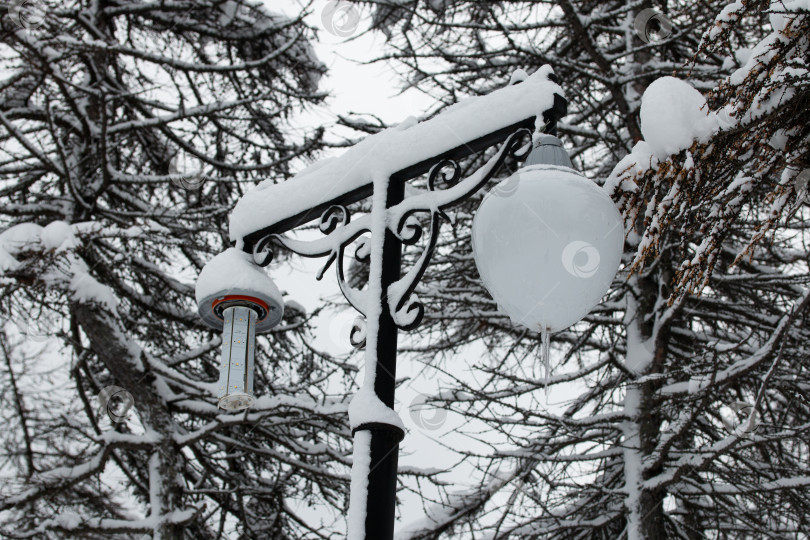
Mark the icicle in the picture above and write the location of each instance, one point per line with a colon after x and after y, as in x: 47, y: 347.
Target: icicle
x: 544, y: 353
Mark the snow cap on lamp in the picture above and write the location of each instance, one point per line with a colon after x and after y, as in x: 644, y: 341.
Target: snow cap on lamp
x: 230, y: 276
x: 236, y: 296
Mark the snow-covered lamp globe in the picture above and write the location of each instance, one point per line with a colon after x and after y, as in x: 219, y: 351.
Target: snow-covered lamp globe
x: 236, y: 296
x: 547, y: 241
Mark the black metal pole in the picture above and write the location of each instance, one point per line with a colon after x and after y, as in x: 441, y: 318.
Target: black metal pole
x: 382, y: 476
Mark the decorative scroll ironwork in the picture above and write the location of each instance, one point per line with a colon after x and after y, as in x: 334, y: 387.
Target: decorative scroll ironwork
x: 406, y: 309
x: 341, y: 232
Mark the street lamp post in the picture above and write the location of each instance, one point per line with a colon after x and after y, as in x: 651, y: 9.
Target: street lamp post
x: 260, y: 221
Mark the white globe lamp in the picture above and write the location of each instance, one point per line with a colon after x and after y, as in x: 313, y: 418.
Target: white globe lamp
x: 547, y: 241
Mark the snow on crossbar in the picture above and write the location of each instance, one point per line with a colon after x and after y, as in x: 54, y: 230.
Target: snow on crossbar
x: 405, y: 151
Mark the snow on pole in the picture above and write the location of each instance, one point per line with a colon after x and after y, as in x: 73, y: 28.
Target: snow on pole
x: 358, y: 491
x: 366, y: 407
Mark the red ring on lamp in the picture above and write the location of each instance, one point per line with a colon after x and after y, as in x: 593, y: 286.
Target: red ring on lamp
x: 238, y: 297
